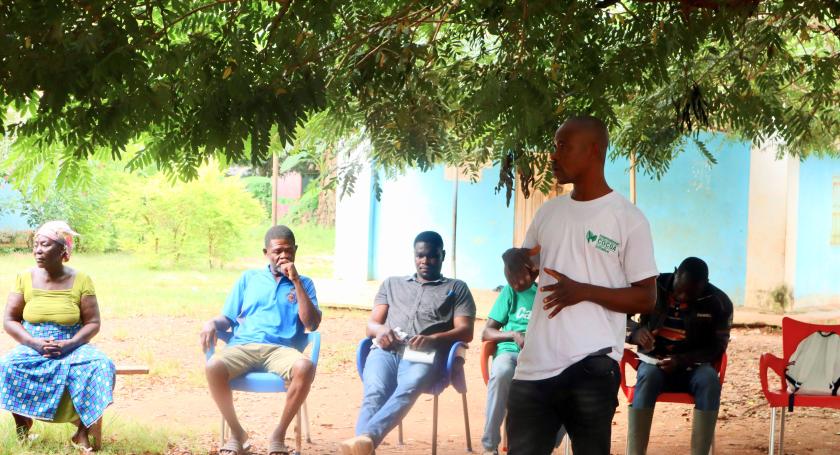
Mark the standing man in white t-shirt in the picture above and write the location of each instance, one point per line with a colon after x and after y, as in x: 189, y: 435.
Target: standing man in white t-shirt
x: 594, y: 255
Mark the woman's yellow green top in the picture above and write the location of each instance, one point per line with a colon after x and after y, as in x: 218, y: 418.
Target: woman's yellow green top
x: 61, y: 307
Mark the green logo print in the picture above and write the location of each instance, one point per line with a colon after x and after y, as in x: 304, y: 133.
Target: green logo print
x: 602, y: 242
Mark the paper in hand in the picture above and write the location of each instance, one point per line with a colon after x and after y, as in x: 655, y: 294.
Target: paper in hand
x: 648, y: 359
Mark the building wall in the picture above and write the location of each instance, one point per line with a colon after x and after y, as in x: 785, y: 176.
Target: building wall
x: 10, y: 221
x: 353, y: 215
x: 817, y: 259
x: 289, y: 186
x: 698, y: 209
x: 417, y: 201
x: 759, y: 222
x: 772, y: 241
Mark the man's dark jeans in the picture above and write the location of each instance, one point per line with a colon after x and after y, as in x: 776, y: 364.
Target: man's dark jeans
x: 583, y: 398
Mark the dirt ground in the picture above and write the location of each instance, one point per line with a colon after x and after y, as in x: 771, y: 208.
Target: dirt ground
x: 174, y: 396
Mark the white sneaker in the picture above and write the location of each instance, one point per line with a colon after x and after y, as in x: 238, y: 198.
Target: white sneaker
x: 360, y: 445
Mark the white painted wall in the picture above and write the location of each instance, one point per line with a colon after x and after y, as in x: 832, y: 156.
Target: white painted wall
x: 771, y: 223
x: 353, y: 219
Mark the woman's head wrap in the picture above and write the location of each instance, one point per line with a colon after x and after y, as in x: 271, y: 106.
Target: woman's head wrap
x: 58, y: 231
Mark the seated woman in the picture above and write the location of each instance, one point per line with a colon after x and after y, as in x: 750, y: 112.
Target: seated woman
x: 54, y: 374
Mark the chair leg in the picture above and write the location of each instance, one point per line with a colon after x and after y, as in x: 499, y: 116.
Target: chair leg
x: 434, y: 425
x: 306, y: 433
x: 772, y: 445
x: 298, y: 444
x: 782, y: 433
x: 504, y: 434
x: 400, y: 434
x: 466, y: 421
x: 224, y: 430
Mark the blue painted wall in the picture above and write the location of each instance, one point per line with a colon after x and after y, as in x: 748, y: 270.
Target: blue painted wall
x: 418, y: 201
x: 817, y: 261
x: 10, y: 221
x: 698, y: 209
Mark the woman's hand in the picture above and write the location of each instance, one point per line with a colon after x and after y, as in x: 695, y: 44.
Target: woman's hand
x: 39, y: 345
x: 54, y: 349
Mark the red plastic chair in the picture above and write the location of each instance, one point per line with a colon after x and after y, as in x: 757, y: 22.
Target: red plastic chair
x: 630, y: 359
x: 488, y: 350
x: 793, y: 332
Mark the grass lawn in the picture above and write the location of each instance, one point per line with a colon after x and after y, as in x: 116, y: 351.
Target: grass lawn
x: 125, y: 288
x: 129, y: 291
x: 121, y: 437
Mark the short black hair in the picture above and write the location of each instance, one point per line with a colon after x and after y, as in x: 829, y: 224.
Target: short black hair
x: 430, y: 237
x: 695, y: 269
x: 279, y: 232
x: 596, y: 125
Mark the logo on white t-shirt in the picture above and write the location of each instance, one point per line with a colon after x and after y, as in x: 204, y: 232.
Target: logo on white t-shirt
x: 602, y: 242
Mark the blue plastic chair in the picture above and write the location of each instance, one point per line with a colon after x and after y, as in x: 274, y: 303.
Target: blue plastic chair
x: 452, y: 374
x: 264, y: 382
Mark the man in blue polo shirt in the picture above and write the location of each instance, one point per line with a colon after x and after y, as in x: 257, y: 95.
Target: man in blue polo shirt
x: 268, y: 309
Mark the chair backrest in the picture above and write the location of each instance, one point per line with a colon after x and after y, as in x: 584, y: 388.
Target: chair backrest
x: 361, y: 354
x: 454, y: 360
x: 793, y: 332
x: 488, y: 349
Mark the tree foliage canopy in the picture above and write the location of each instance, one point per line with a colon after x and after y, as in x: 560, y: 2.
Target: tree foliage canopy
x: 464, y: 82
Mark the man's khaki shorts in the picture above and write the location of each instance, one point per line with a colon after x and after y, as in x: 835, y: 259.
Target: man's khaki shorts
x: 243, y: 358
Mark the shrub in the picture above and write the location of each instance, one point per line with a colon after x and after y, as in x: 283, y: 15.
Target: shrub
x: 260, y: 188
x: 304, y: 210
x: 204, y: 221
x: 82, y: 208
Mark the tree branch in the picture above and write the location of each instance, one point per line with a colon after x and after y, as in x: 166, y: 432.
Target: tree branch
x: 287, y: 4
x: 279, y: 17
x: 195, y: 10
x: 443, y: 17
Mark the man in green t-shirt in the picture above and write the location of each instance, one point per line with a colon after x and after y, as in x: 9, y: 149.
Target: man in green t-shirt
x: 506, y: 325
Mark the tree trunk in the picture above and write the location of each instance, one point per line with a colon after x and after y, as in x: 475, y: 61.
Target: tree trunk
x: 325, y: 215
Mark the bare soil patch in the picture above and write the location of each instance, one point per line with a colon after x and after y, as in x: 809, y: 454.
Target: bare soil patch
x: 174, y: 396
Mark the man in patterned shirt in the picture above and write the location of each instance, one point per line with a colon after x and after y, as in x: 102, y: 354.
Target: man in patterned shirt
x: 685, y: 335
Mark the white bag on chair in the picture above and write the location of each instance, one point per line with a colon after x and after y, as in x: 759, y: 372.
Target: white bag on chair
x: 814, y: 367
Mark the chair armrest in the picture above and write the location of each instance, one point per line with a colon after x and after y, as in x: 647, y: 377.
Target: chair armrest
x: 223, y: 336
x: 724, y: 360
x: 770, y: 362
x: 455, y: 366
x: 629, y: 358
x: 488, y: 349
x: 362, y: 352
x: 315, y: 340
